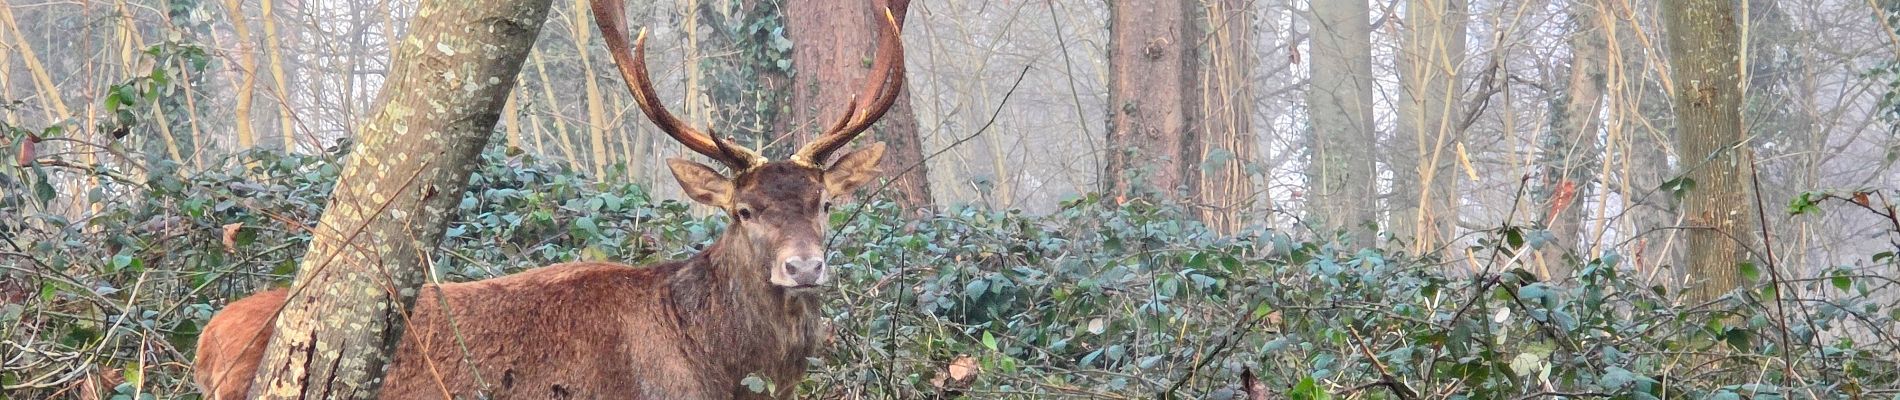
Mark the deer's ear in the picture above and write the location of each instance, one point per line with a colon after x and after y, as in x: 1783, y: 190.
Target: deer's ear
x: 701, y: 182
x: 854, y: 169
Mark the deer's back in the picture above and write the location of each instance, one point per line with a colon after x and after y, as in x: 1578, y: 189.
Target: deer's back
x: 579, y: 330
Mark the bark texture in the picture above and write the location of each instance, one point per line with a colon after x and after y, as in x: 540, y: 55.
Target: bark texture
x: 1222, y: 185
x: 1340, y: 171
x: 344, y: 316
x: 834, y: 44
x: 1704, y: 62
x: 1151, y: 96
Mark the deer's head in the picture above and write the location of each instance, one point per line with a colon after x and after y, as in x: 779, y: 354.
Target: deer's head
x: 779, y: 208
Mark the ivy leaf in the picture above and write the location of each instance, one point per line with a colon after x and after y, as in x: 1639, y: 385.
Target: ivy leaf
x: 120, y: 262
x: 1803, y: 204
x: 44, y: 190
x: 989, y: 340
x: 586, y: 226
x: 1616, y: 378
x: 753, y: 383
x: 1678, y: 187
x: 780, y: 43
x: 1842, y: 280
x: 975, y: 289
x: 1308, y: 389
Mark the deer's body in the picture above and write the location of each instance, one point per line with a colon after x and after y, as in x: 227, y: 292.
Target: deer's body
x: 567, y: 331
x: 690, y: 329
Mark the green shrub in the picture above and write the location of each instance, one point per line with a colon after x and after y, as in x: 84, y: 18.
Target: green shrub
x: 1093, y: 300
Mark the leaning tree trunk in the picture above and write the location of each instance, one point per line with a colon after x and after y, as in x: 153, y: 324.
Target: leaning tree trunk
x: 1425, y: 202
x: 1340, y: 173
x: 1151, y: 85
x: 1703, y: 60
x: 365, y: 263
x: 833, y: 41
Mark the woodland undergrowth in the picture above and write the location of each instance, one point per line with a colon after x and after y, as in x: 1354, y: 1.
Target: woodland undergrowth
x: 1091, y: 301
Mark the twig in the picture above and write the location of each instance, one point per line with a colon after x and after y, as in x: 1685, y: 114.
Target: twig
x: 1546, y: 395
x: 1240, y: 330
x: 1385, y: 376
x: 1774, y: 274
x: 979, y: 132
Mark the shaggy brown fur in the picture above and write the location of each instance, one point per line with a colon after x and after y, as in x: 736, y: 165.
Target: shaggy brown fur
x: 690, y: 329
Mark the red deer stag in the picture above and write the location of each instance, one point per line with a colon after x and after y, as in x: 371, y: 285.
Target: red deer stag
x: 691, y: 329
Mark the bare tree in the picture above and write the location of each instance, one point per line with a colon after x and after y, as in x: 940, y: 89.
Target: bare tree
x: 391, y: 205
x: 1340, y: 169
x: 1703, y: 61
x: 1425, y: 199
x: 1152, y: 98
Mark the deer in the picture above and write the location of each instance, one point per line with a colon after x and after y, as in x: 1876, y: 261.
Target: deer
x: 745, y: 305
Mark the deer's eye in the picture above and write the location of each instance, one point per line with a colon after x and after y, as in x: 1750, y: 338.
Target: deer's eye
x: 827, y: 206
x: 745, y: 213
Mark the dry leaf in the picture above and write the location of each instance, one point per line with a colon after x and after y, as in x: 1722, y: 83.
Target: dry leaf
x: 1861, y: 198
x: 957, y: 375
x: 1255, y: 390
x: 230, y: 236
x: 963, y: 369
x: 1098, y: 325
x: 1464, y: 159
x: 26, y: 152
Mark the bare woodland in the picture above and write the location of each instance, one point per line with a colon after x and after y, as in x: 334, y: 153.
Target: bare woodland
x: 1687, y: 141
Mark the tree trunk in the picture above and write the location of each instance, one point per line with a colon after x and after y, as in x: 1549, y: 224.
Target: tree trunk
x: 1703, y: 61
x: 1425, y: 202
x: 1570, y: 155
x: 286, y: 135
x: 1150, y: 89
x: 834, y: 42
x: 247, y: 67
x: 1340, y: 171
x: 740, y: 85
x: 365, y: 263
x: 1222, y: 187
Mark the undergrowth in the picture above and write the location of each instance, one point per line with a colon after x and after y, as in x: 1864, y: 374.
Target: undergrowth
x: 1091, y: 301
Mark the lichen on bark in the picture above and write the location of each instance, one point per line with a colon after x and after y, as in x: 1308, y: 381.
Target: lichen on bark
x: 448, y: 82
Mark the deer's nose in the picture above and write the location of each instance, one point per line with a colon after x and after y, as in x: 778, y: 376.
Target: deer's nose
x: 805, y: 271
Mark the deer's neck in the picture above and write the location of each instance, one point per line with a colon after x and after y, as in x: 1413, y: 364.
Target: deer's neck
x: 742, y: 323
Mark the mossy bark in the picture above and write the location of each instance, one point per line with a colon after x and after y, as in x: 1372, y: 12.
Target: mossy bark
x: 450, y: 78
x: 1570, y: 153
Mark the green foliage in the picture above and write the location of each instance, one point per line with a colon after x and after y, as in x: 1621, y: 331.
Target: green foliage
x: 749, y: 79
x: 1678, y: 187
x: 1092, y: 300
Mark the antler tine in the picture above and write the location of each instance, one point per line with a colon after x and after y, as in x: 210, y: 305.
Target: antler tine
x: 850, y: 107
x: 633, y: 69
x: 880, y: 90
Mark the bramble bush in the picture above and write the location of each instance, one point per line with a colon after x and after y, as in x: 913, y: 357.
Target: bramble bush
x: 1091, y: 301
